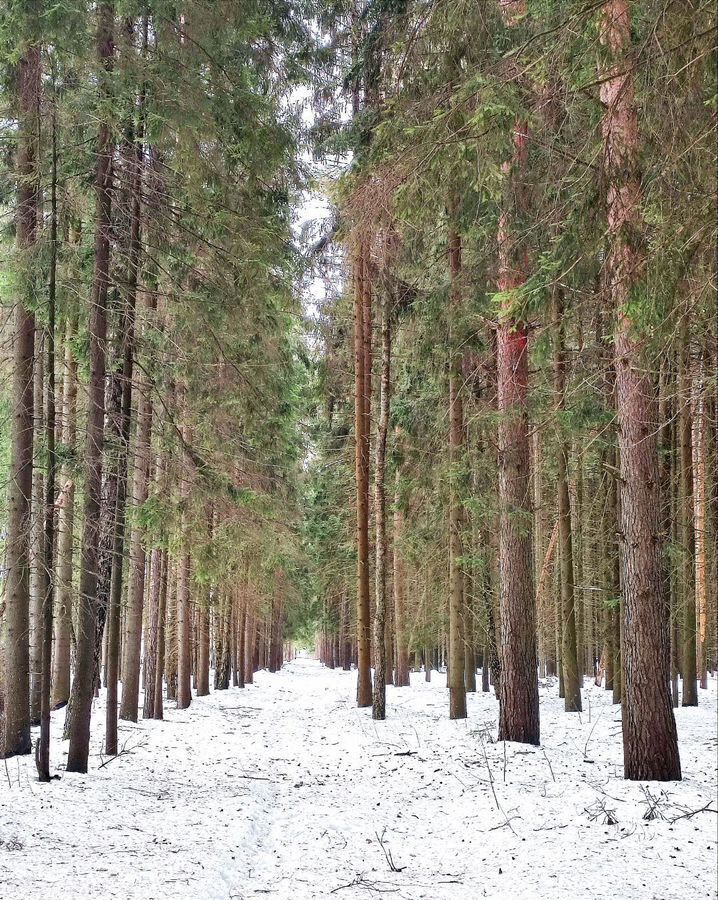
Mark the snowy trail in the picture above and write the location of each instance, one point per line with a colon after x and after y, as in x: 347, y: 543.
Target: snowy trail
x: 283, y: 790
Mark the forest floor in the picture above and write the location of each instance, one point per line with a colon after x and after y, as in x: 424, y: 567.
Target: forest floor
x: 286, y: 790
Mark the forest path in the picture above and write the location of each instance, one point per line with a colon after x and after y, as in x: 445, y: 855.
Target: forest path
x: 285, y: 790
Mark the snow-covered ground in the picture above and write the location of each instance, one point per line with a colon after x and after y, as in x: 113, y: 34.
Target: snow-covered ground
x: 286, y: 790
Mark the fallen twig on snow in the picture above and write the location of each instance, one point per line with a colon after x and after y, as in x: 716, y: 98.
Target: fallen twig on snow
x: 360, y: 881
x: 507, y: 821
x: 549, y: 765
x: 653, y: 812
x: 387, y: 853
x: 585, y: 746
x: 598, y: 809
x: 694, y: 812
x: 124, y: 751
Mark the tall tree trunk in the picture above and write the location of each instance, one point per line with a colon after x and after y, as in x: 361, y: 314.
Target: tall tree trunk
x: 569, y: 656
x: 65, y: 532
x: 135, y: 160
x: 456, y: 683
x: 380, y: 656
x: 241, y: 646
x: 184, y: 625
x: 170, y: 630
x: 402, y: 644
x: 585, y: 634
x: 156, y: 576
x: 614, y: 584
x: 688, y: 570
x: 184, y: 611
x: 37, y: 531
x: 42, y: 756
x: 699, y: 517
x: 519, y: 705
x: 138, y: 556
x: 543, y: 642
x: 16, y: 737
x: 249, y: 635
x: 83, y: 686
x: 203, y: 649
x: 158, y: 711
x: 109, y: 510
x: 650, y: 742
x: 361, y: 437
x: 222, y: 651
x: 203, y: 611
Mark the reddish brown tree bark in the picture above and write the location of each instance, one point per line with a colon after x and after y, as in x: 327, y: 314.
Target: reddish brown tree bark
x: 650, y: 744
x: 518, y: 693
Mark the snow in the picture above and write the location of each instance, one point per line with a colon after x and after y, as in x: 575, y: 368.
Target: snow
x: 286, y: 790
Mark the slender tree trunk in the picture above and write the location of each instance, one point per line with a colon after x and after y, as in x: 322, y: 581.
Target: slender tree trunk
x: 42, y: 757
x: 584, y: 610
x: 539, y: 542
x: 114, y: 453
x: 614, y: 585
x: 519, y: 706
x: 455, y: 679
x: 203, y: 650
x: 138, y: 557
x: 156, y: 575
x: 170, y: 645
x: 158, y: 712
x: 402, y: 646
x: 249, y: 635
x: 364, y: 687
x: 241, y: 646
x: 37, y: 532
x: 380, y: 656
x: 650, y: 741
x: 569, y: 656
x: 234, y: 640
x: 223, y: 661
x: 137, y: 566
x: 688, y: 662
x: 16, y: 738
x: 699, y: 518
x: 128, y: 324
x: 184, y: 624
x: 83, y: 687
x: 65, y: 530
